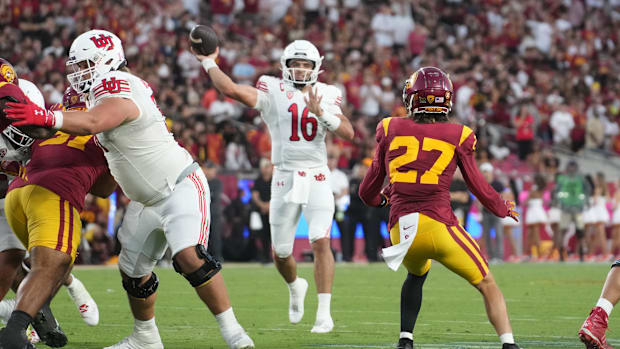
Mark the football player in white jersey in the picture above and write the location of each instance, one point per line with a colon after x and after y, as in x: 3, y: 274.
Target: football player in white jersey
x: 168, y: 191
x: 299, y: 111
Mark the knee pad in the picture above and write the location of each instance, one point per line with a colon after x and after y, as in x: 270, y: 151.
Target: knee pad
x: 616, y: 263
x: 283, y: 251
x: 133, y: 288
x: 202, y: 275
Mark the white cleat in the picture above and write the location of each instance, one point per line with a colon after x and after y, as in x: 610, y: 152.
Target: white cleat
x: 84, y: 302
x: 237, y: 338
x: 132, y: 342
x: 323, y: 325
x: 296, y: 301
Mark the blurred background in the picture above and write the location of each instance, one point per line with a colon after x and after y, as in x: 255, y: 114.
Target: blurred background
x: 538, y: 81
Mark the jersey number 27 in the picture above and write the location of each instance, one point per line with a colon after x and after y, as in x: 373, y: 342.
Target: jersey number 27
x: 430, y: 176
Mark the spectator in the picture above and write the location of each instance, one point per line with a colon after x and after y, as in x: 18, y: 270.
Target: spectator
x: 562, y: 123
x: 524, y: 123
x: 494, y: 248
x: 340, y: 188
x: 215, y: 209
x: 261, y: 194
x: 236, y: 155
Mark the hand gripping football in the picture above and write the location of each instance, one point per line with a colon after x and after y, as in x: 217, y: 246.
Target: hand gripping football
x: 203, y: 39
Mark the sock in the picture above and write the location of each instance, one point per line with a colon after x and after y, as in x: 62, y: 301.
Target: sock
x: 411, y: 301
x: 144, y: 326
x: 507, y: 338
x: 226, y: 319
x: 323, y: 310
x: 606, y: 305
x: 292, y: 286
x: 75, y: 286
x: 18, y: 321
x: 407, y: 335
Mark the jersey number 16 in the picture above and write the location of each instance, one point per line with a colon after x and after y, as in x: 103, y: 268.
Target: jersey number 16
x: 305, y: 120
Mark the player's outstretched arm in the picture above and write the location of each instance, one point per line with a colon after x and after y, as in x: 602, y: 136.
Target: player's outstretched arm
x: 245, y: 94
x: 370, y: 189
x: 106, y: 115
x: 479, y: 185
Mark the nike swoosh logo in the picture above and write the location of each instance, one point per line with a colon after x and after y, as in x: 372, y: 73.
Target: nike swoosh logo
x: 409, y: 227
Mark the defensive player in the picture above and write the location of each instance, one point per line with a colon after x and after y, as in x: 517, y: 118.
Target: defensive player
x: 419, y: 154
x: 298, y: 111
x: 168, y: 191
x: 592, y: 332
x: 42, y: 208
x: 15, y: 147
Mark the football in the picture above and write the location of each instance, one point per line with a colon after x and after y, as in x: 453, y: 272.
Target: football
x: 203, y: 39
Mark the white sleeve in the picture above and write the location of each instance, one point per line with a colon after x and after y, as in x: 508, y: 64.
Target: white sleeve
x: 112, y: 84
x: 332, y: 100
x: 32, y: 92
x: 264, y: 99
x: 262, y: 102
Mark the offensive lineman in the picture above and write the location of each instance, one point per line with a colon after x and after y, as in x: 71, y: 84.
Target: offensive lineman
x: 168, y: 191
x: 419, y: 154
x: 298, y: 111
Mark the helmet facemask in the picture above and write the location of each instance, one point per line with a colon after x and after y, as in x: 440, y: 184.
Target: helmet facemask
x: 83, y: 73
x: 308, y: 76
x: 17, y: 137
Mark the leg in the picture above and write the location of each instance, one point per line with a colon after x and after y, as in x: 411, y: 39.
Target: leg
x: 48, y: 270
x: 495, y: 305
x: 499, y: 238
x: 602, y: 239
x: 592, y: 332
x: 10, y: 264
x: 323, y: 265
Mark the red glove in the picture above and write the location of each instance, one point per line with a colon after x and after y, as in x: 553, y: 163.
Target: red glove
x: 30, y: 114
x: 510, y: 205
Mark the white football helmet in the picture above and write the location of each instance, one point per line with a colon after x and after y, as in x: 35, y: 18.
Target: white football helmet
x: 301, y: 49
x: 91, y: 55
x: 15, y: 135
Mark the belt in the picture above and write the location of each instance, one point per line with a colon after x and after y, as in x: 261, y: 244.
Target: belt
x: 187, y: 171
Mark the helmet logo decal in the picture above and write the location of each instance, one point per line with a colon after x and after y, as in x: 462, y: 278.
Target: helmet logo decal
x: 103, y: 41
x: 430, y: 98
x: 448, y: 95
x: 7, y: 73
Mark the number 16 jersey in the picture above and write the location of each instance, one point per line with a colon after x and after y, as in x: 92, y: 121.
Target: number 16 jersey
x: 297, y: 136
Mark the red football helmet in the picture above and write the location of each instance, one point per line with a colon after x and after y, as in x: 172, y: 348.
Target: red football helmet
x: 428, y: 90
x: 7, y: 72
x: 72, y: 100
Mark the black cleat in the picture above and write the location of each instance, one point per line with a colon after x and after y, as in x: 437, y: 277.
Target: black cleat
x: 405, y: 343
x: 6, y: 343
x: 48, y: 328
x: 510, y: 346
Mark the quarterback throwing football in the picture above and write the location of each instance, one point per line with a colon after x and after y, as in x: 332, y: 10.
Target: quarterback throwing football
x: 298, y: 111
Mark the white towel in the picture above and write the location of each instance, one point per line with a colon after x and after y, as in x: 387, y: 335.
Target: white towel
x: 300, y: 191
x: 394, y: 255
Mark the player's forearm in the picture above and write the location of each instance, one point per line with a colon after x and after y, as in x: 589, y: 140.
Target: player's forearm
x: 80, y: 123
x: 345, y: 129
x: 223, y: 83
x: 478, y: 185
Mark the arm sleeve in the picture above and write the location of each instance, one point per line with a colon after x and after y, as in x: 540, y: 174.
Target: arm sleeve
x: 263, y: 99
x: 373, y: 181
x: 476, y: 181
x: 332, y: 100
x: 112, y: 85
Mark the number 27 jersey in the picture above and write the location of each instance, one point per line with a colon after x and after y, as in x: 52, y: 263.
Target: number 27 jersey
x: 297, y: 135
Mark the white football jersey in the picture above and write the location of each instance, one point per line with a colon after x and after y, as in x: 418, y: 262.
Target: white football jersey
x: 142, y: 154
x: 297, y: 136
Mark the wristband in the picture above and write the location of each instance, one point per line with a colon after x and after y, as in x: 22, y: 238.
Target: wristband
x: 58, y: 119
x: 330, y: 121
x: 208, y: 63
x: 384, y: 200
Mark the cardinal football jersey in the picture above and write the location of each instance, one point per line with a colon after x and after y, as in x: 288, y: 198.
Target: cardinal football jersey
x: 142, y: 155
x: 297, y: 136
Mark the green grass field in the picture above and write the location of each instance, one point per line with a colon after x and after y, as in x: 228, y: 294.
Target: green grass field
x: 547, y: 304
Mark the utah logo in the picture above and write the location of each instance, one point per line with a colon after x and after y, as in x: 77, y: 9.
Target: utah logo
x: 320, y: 177
x: 301, y: 173
x: 289, y: 94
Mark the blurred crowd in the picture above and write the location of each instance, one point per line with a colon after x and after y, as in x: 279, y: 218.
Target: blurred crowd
x: 527, y: 74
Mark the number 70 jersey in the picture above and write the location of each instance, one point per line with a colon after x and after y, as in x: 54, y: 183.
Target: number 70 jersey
x: 297, y: 136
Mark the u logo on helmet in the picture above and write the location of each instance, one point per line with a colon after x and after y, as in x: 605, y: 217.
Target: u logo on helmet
x: 7, y: 73
x: 103, y: 41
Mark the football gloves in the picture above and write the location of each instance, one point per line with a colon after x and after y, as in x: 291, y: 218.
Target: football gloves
x: 510, y: 205
x: 29, y: 114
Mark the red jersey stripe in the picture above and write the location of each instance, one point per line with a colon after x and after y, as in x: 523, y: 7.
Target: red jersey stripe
x: 70, y: 237
x: 467, y: 250
x: 61, y: 227
x: 205, y: 222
